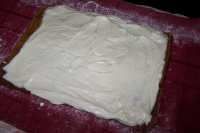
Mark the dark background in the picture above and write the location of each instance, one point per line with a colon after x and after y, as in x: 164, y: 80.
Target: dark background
x: 190, y: 8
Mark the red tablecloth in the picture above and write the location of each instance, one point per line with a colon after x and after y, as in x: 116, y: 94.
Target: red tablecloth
x: 178, y: 108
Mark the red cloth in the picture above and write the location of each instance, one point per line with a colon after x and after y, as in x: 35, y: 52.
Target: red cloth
x: 177, y: 109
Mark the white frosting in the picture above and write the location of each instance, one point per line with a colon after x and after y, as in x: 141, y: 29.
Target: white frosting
x: 96, y: 63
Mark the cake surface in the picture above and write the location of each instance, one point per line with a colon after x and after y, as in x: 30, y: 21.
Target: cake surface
x: 100, y: 64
